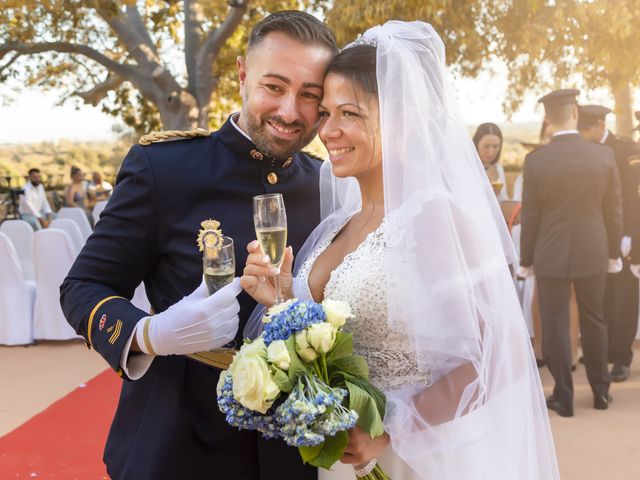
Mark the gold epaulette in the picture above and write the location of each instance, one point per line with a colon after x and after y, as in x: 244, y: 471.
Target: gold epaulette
x: 154, y: 137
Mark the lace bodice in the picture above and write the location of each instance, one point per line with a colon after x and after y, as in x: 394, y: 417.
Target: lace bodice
x: 360, y: 281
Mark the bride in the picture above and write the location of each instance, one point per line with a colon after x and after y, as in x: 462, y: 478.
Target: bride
x: 412, y: 239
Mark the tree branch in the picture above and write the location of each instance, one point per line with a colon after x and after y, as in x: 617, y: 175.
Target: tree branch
x: 139, y: 26
x: 8, y: 64
x: 98, y: 92
x: 211, y: 47
x: 126, y: 71
x: 192, y: 41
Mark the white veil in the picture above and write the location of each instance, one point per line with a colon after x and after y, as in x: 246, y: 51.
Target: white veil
x: 448, y: 282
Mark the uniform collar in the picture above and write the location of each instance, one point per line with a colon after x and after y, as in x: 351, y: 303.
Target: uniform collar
x: 242, y: 146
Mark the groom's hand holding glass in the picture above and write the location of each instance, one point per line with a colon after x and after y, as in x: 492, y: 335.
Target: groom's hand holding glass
x: 198, y: 322
x: 258, y: 278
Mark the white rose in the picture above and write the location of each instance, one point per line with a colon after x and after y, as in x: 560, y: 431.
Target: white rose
x: 257, y: 348
x: 303, y: 348
x: 321, y: 336
x: 278, y: 354
x: 337, y: 312
x: 253, y: 386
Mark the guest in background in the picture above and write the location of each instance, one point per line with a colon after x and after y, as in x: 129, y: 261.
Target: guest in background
x: 34, y: 206
x: 621, y: 298
x: 101, y: 188
x: 78, y: 193
x: 488, y: 142
x: 571, y: 229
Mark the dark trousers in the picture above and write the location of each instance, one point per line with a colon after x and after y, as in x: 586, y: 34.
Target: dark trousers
x: 621, y: 315
x: 554, y: 295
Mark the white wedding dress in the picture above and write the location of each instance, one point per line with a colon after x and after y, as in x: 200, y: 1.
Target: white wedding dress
x: 359, y: 280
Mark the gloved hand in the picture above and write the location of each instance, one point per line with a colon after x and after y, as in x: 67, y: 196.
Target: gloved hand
x: 635, y: 269
x: 625, y: 246
x: 615, y: 265
x: 196, y: 323
x: 524, y: 272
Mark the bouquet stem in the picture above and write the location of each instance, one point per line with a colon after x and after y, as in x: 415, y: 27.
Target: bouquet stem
x: 376, y: 474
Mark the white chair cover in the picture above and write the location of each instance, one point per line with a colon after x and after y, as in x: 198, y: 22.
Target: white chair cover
x: 140, y: 300
x: 526, y: 288
x: 16, y: 298
x: 97, y: 210
x: 71, y: 227
x: 53, y: 254
x: 77, y: 215
x: 21, y: 235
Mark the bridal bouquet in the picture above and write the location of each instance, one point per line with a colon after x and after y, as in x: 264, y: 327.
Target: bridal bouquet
x: 301, y: 382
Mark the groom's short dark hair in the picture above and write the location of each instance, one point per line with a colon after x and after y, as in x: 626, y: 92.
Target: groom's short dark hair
x: 300, y: 26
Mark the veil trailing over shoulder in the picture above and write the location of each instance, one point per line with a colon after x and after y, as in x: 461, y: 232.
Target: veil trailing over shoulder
x: 448, y: 283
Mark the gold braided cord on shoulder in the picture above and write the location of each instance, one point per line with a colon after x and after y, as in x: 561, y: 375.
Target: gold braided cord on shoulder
x: 154, y: 137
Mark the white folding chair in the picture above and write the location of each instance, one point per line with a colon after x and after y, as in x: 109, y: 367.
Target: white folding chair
x: 53, y: 255
x: 526, y: 287
x: 77, y: 215
x: 16, y: 298
x: 21, y: 235
x: 71, y: 227
x: 97, y: 210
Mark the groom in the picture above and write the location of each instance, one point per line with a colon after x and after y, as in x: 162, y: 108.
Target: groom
x: 167, y: 424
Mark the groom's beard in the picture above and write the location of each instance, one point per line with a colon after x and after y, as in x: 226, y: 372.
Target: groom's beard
x: 271, y: 146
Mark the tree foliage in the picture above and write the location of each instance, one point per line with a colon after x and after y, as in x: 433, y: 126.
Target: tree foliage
x: 558, y: 43
x: 170, y: 64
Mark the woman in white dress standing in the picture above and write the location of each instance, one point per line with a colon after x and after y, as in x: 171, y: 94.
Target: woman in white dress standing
x: 414, y: 240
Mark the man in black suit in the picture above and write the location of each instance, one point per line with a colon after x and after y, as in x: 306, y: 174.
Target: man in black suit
x: 571, y: 228
x: 167, y: 424
x: 621, y: 298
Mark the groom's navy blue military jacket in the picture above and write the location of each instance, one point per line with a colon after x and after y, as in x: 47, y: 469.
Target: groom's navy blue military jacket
x: 167, y: 425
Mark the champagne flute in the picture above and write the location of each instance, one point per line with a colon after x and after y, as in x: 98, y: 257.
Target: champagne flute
x: 270, y: 221
x: 218, y: 262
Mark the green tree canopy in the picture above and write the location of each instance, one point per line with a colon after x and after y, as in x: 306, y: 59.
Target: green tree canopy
x: 549, y: 43
x: 171, y: 64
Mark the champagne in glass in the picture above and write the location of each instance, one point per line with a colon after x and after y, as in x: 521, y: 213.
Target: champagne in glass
x: 270, y: 221
x: 218, y: 262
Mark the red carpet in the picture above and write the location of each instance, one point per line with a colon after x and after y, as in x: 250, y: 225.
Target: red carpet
x: 67, y: 439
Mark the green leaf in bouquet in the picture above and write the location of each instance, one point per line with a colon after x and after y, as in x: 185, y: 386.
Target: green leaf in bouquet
x: 353, y: 365
x: 369, y: 418
x: 309, y: 453
x: 296, y: 366
x: 332, y: 450
x: 375, y: 393
x: 343, y: 347
x: 281, y: 379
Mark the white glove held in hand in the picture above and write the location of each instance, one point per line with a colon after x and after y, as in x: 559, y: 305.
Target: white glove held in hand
x: 196, y: 323
x: 615, y: 265
x: 625, y: 246
x: 635, y: 269
x: 525, y: 272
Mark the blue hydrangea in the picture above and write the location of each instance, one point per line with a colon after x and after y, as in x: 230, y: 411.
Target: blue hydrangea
x: 297, y: 317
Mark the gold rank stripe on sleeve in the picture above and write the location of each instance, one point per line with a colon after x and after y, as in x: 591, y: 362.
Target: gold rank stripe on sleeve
x: 93, y: 314
x: 116, y: 332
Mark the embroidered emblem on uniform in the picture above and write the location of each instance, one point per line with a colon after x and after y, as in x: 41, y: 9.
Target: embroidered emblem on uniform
x: 210, y: 233
x: 103, y: 320
x: 110, y: 329
x: 116, y: 332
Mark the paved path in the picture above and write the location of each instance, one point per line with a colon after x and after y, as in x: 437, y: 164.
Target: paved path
x: 593, y: 445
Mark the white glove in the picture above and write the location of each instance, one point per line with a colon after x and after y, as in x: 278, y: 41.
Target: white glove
x: 196, y: 323
x: 524, y: 272
x: 635, y: 269
x: 625, y: 246
x: 615, y: 265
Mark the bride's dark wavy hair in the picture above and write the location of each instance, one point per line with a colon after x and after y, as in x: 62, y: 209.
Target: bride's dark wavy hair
x: 357, y: 63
